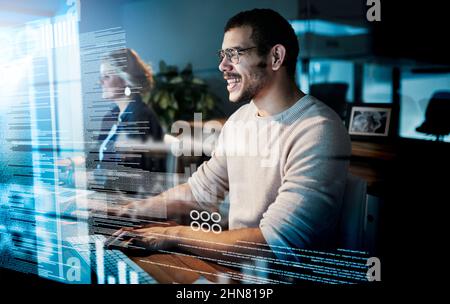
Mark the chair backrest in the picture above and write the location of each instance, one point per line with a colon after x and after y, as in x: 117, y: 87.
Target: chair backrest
x: 352, y: 222
x: 333, y: 94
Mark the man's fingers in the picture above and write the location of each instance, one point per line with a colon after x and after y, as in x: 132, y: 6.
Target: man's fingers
x: 120, y: 231
x: 128, y: 210
x: 143, y: 242
x: 120, y: 238
x: 129, y: 241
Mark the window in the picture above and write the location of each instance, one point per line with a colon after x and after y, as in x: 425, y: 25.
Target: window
x: 416, y: 93
x: 332, y: 71
x: 377, y: 83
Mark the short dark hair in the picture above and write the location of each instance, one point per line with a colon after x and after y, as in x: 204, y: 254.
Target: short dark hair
x: 268, y: 29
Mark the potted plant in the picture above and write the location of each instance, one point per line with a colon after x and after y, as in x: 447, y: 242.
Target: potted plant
x: 177, y: 95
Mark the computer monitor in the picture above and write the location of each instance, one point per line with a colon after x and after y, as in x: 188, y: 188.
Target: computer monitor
x: 40, y: 123
x: 49, y: 111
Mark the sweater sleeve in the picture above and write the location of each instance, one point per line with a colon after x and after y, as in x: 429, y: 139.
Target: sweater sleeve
x: 209, y: 184
x: 308, y: 202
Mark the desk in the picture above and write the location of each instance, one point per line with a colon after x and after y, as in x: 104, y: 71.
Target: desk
x: 182, y: 269
x: 372, y: 162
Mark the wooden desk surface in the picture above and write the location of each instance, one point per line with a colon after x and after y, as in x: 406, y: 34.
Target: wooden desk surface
x: 183, y: 269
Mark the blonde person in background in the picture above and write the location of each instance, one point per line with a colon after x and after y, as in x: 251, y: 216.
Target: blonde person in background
x: 125, y: 80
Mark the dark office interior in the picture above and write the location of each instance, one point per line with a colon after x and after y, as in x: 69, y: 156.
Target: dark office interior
x: 396, y: 69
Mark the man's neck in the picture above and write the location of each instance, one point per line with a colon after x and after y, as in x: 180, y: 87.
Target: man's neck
x: 278, y: 98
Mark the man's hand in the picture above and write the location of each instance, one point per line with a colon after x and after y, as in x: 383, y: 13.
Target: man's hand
x: 222, y: 246
x: 174, y: 204
x: 143, y: 241
x: 149, y: 208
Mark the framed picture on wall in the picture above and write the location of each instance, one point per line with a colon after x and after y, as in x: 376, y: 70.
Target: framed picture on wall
x: 370, y: 120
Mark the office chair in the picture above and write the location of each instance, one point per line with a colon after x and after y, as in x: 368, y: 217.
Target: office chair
x: 333, y: 94
x: 436, y: 116
x: 357, y: 227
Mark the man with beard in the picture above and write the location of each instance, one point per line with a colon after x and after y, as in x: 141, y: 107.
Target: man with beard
x: 277, y: 204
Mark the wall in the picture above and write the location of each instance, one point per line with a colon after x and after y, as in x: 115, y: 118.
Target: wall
x: 177, y: 31
x: 188, y: 30
x: 100, y: 14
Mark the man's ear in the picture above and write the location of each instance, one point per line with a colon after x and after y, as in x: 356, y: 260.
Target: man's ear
x: 278, y: 55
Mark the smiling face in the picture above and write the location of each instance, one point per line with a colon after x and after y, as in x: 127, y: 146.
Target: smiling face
x: 246, y: 79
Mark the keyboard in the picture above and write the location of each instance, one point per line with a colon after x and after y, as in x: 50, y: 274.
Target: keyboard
x: 114, y: 266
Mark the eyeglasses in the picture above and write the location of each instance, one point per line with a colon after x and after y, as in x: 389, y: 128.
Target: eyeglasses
x: 232, y: 54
